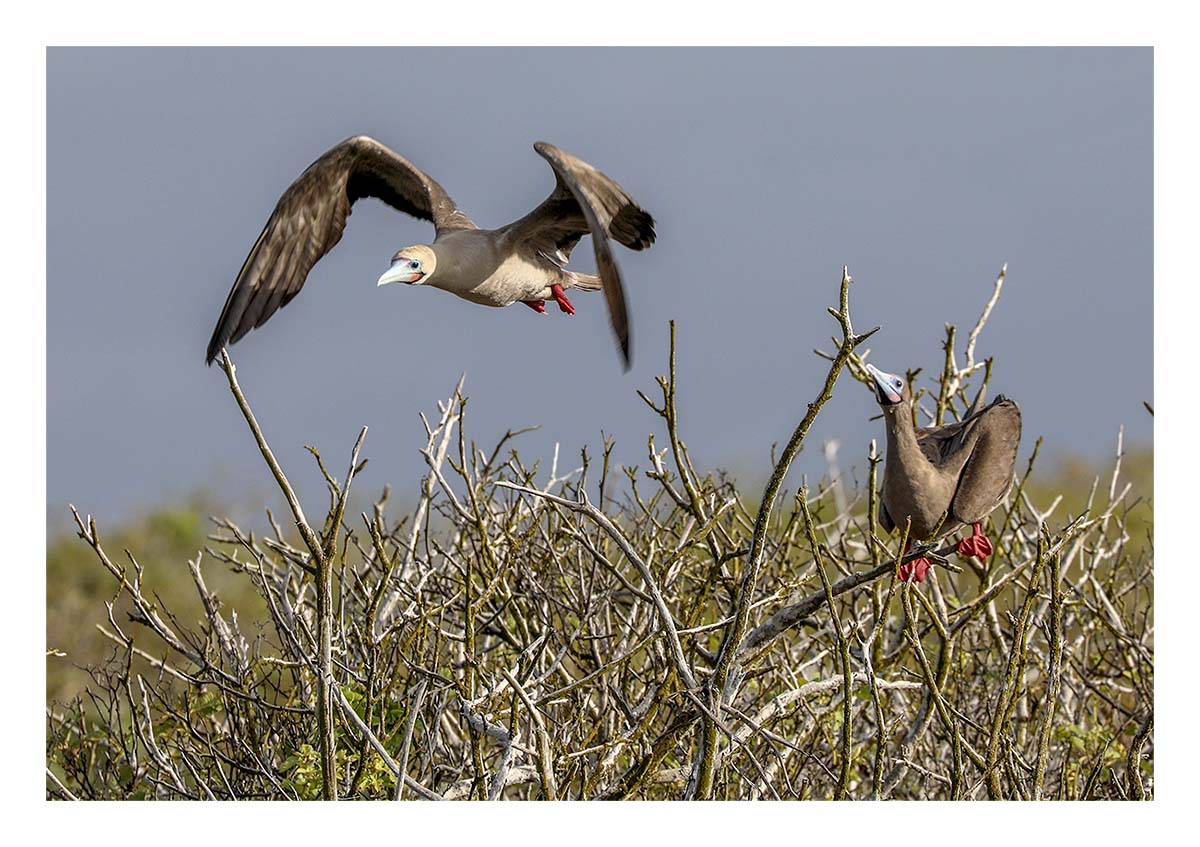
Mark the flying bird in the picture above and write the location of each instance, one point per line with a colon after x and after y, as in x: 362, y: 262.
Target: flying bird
x: 944, y: 477
x: 524, y: 261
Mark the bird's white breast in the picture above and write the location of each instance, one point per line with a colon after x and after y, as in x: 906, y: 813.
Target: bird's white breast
x: 491, y: 278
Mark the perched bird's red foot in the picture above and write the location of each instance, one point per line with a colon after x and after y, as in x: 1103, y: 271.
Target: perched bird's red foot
x: 538, y: 306
x: 915, y: 569
x: 976, y: 545
x: 560, y: 297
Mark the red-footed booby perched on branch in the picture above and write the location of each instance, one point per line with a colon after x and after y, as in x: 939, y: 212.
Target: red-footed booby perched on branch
x: 524, y: 261
x: 944, y: 477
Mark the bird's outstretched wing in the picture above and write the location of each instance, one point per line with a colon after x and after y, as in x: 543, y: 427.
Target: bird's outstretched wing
x: 309, y: 219
x: 586, y: 202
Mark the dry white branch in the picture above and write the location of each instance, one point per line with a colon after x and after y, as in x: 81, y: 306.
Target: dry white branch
x: 666, y: 619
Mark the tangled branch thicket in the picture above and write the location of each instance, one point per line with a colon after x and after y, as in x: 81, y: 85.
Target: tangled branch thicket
x: 606, y: 633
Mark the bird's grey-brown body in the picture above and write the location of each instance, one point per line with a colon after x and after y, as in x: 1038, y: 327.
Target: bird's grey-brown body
x: 951, y: 476
x: 523, y: 261
x: 484, y: 267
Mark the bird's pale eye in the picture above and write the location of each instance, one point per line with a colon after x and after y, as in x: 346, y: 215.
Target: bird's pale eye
x: 414, y: 264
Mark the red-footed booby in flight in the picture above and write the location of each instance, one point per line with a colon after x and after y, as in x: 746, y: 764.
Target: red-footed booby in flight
x: 524, y: 261
x: 944, y: 477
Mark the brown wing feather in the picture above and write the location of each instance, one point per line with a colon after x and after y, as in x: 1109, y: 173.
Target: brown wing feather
x: 309, y: 220
x: 584, y: 202
x: 941, y: 443
x: 885, y: 520
x: 988, y: 472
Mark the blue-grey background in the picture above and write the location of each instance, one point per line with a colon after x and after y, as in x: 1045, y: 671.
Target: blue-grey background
x: 767, y: 170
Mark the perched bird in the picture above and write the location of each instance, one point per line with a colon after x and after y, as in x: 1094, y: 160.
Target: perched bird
x: 524, y: 261
x: 944, y: 477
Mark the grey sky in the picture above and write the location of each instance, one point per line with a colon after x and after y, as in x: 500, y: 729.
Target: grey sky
x: 766, y: 169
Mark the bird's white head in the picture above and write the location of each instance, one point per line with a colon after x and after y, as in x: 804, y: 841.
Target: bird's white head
x: 412, y: 265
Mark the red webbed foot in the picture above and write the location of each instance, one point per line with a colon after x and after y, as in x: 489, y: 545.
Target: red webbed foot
x: 560, y: 297
x: 977, y: 545
x: 915, y: 569
x: 538, y: 306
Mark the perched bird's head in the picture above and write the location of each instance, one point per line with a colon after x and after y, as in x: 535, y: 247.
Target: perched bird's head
x: 413, y: 265
x: 890, y: 390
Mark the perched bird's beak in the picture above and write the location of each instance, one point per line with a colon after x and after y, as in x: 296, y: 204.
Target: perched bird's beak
x: 401, y: 271
x: 886, y: 385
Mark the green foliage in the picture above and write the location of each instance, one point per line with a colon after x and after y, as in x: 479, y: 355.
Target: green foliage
x: 76, y: 589
x: 303, y: 769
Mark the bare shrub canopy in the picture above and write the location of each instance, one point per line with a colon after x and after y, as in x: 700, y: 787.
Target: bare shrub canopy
x: 582, y: 631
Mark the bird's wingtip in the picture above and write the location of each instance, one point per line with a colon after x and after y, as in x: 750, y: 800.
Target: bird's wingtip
x: 214, y: 351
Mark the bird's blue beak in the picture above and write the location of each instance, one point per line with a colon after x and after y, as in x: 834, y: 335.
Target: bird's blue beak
x: 887, y: 386
x: 401, y: 271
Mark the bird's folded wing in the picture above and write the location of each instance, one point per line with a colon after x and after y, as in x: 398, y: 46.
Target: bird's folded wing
x: 988, y: 472
x: 885, y: 520
x: 942, y: 444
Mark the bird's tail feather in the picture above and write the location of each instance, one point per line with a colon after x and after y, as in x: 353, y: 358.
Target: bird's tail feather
x: 585, y: 282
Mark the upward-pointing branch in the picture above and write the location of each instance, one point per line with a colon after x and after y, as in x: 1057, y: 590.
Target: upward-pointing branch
x: 700, y: 787
x: 324, y: 573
